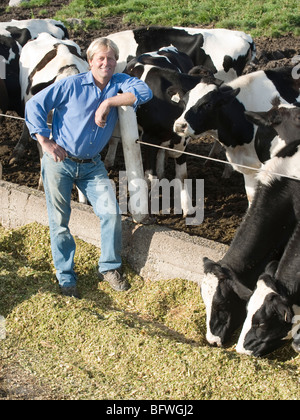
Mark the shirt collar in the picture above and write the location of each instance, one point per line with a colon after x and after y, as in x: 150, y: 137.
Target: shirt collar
x: 87, y: 78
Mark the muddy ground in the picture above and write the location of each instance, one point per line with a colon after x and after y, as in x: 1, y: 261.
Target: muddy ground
x: 225, y: 201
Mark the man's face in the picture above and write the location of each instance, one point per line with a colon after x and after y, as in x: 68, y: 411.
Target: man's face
x: 103, y: 64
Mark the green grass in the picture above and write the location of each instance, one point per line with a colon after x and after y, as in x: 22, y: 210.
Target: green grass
x: 258, y: 17
x: 147, y: 343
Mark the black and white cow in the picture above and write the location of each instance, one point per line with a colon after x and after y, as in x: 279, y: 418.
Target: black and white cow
x: 224, y: 52
x: 23, y: 31
x: 228, y: 284
x: 262, y: 237
x: 13, y: 36
x: 274, y: 307
x: 44, y: 61
x: 160, y: 70
x: 222, y: 108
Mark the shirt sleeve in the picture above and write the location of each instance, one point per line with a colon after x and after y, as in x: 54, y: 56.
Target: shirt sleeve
x: 38, y: 108
x: 140, y: 89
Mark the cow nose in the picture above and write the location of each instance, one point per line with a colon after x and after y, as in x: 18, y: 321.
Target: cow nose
x: 180, y: 127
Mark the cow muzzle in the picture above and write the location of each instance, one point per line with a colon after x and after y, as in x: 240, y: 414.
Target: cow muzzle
x: 182, y: 128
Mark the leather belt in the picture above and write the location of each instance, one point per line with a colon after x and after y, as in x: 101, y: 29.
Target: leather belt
x: 80, y: 160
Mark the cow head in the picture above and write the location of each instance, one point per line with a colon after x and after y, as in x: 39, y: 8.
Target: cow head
x: 225, y: 299
x: 269, y: 321
x: 202, y: 104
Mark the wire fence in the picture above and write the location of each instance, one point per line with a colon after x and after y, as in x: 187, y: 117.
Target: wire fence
x: 196, y: 155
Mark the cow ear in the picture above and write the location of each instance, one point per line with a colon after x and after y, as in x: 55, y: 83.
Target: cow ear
x: 271, y: 268
x: 214, y: 268
x: 228, y: 95
x: 207, y: 76
x: 258, y: 118
x: 279, y: 305
x: 242, y: 291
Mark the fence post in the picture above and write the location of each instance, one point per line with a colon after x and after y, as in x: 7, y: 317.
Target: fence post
x: 138, y: 189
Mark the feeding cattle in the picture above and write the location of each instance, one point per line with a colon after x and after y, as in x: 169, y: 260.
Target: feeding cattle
x: 222, y: 108
x: 262, y: 237
x: 224, y: 52
x: 276, y: 300
x: 227, y: 285
x: 44, y: 61
x: 13, y: 36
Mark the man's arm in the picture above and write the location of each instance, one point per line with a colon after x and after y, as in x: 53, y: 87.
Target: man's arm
x: 123, y: 99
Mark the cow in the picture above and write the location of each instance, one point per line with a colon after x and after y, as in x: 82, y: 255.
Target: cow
x: 224, y: 52
x: 275, y: 303
x: 228, y: 284
x: 13, y: 36
x: 160, y: 70
x: 23, y: 31
x: 210, y: 106
x: 166, y: 58
x: 44, y: 61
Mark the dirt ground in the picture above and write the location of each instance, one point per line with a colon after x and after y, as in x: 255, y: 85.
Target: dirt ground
x: 225, y: 201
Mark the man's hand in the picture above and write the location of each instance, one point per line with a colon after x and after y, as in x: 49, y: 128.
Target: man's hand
x: 126, y: 99
x: 102, y: 113
x: 57, y: 152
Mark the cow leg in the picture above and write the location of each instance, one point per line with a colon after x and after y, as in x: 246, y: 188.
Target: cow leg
x: 21, y: 146
x: 181, y: 174
x: 250, y: 186
x: 1, y: 171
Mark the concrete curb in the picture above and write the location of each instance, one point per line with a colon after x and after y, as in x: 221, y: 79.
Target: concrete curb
x: 154, y: 252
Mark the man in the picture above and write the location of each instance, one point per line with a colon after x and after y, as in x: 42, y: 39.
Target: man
x: 85, y: 114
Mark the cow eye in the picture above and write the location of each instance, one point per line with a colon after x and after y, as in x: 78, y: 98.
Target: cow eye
x: 222, y: 316
x: 259, y: 325
x: 208, y: 106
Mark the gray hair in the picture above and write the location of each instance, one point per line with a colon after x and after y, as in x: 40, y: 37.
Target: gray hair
x: 102, y: 42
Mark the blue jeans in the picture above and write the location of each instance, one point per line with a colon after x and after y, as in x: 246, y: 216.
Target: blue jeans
x: 93, y: 181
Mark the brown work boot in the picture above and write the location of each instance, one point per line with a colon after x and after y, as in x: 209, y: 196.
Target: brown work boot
x: 116, y: 281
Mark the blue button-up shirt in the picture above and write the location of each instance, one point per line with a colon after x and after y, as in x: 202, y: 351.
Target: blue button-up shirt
x: 75, y: 100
